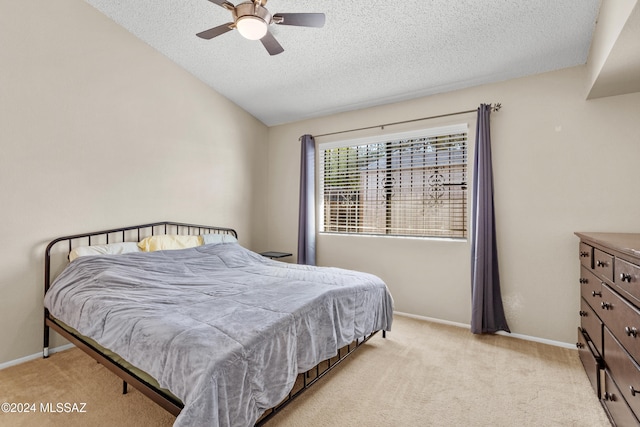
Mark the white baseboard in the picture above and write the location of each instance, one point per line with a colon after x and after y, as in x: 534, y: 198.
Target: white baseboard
x: 33, y: 356
x: 519, y: 336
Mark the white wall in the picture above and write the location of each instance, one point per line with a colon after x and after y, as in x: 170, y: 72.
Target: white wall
x: 98, y: 130
x: 561, y: 164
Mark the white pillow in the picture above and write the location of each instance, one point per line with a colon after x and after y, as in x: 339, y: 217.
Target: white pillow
x: 211, y: 239
x: 108, y: 249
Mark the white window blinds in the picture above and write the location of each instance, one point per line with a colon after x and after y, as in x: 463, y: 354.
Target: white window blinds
x: 401, y: 185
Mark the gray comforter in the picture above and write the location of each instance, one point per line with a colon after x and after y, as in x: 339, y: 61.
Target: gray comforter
x: 223, y: 328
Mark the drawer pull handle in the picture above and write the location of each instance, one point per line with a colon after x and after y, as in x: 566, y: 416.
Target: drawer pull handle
x: 606, y: 305
x: 609, y: 396
x: 579, y: 345
x: 584, y: 254
x: 631, y: 331
x: 583, y: 281
x: 601, y: 263
x: 596, y: 294
x: 625, y: 277
x: 583, y: 313
x: 633, y: 390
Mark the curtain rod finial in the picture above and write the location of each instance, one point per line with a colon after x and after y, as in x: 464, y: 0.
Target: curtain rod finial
x: 496, y: 107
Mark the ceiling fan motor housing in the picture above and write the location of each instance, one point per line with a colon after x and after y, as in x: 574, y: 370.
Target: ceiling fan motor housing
x: 253, y: 10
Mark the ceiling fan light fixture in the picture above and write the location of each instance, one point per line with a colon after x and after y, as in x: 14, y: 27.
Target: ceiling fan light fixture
x: 252, y: 27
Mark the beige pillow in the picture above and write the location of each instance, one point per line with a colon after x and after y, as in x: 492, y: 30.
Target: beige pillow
x: 168, y: 241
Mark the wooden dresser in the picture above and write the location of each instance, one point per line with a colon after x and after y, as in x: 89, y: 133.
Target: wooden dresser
x: 609, y: 332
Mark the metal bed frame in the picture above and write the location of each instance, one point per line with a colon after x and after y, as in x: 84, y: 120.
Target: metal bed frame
x: 159, y: 396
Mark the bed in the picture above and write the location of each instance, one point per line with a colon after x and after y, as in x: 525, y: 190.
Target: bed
x: 213, y: 332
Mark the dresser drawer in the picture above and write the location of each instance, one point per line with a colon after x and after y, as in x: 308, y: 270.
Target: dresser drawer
x: 622, y: 319
x: 591, y: 361
x: 628, y: 279
x: 615, y: 404
x: 625, y: 372
x: 603, y: 264
x: 591, y: 324
x: 586, y: 255
x: 590, y: 287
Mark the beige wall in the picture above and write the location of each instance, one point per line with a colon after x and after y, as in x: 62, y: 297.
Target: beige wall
x: 98, y: 130
x: 561, y: 164
x: 614, y: 62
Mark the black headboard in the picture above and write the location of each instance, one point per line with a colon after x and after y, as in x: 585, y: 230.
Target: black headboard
x: 133, y: 233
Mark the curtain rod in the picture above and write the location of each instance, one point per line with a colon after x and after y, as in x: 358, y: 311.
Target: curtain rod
x: 494, y: 107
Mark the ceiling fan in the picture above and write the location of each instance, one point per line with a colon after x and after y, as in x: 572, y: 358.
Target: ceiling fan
x: 252, y: 21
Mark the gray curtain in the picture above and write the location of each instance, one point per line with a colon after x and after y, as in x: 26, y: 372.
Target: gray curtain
x: 307, y: 211
x: 487, y: 312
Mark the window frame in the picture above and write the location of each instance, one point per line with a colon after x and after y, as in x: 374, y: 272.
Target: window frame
x: 391, y: 137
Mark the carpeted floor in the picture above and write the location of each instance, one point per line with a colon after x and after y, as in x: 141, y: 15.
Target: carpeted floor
x: 422, y: 374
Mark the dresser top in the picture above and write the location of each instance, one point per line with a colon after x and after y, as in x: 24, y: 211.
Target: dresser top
x: 627, y: 243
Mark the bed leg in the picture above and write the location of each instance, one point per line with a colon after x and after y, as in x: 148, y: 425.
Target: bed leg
x: 384, y: 334
x: 45, y: 343
x: 124, y: 387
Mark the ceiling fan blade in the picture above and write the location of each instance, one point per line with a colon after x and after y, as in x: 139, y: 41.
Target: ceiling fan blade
x: 216, y: 31
x: 300, y: 19
x: 223, y: 3
x: 271, y: 44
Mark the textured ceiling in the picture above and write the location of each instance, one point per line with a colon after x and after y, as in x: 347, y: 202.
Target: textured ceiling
x: 368, y: 53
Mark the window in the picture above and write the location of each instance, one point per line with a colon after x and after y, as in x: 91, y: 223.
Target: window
x: 410, y: 184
